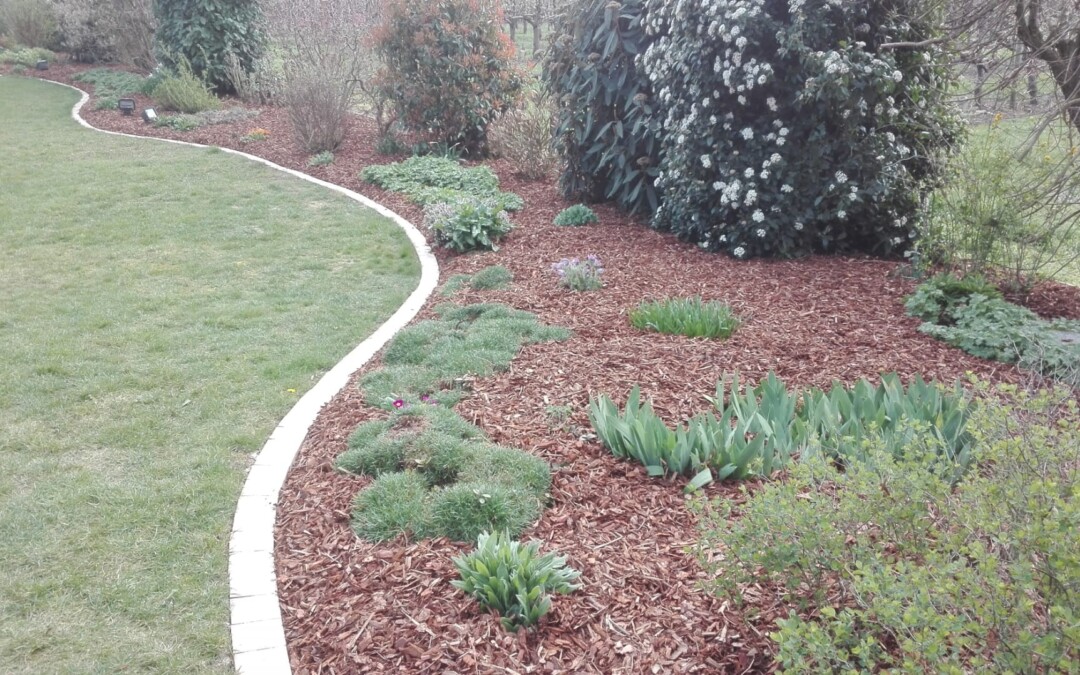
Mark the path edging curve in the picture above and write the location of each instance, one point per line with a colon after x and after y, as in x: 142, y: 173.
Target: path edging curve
x: 258, y: 635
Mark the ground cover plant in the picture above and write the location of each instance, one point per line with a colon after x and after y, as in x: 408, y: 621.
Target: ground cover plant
x: 160, y: 315
x: 431, y: 179
x: 692, y: 317
x: 576, y: 216
x: 465, y: 224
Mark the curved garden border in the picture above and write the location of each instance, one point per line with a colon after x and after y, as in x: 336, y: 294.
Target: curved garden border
x: 258, y: 637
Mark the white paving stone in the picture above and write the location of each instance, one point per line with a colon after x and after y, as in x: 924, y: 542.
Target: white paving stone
x: 257, y: 633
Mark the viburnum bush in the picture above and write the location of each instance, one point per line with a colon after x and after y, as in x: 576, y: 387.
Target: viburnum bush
x: 448, y: 67
x: 792, y: 126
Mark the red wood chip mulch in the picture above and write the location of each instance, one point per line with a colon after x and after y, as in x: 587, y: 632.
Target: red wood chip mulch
x: 352, y: 606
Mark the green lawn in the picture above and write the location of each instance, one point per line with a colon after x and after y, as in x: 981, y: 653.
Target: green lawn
x: 161, y: 308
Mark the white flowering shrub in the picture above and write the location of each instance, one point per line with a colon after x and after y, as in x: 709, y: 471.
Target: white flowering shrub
x: 792, y: 126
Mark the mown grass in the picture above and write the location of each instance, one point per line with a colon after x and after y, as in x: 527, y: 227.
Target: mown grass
x: 161, y: 309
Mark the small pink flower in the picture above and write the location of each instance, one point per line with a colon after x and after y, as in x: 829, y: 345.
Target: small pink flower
x: 399, y: 403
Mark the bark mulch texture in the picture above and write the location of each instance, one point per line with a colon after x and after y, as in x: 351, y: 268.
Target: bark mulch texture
x: 352, y: 606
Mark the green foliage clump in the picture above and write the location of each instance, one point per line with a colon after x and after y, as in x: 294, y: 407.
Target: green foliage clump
x: 742, y: 94
x: 467, y: 223
x: 491, y: 278
x: 457, y: 484
x: 177, y: 122
x: 921, y: 575
x: 206, y: 35
x: 513, y: 579
x: 109, y: 83
x: 430, y: 358
x: 938, y: 297
x: 448, y: 68
x: 324, y: 158
x: 26, y: 56
x: 432, y: 179
x: 181, y: 90
x: 606, y: 130
x: 576, y: 216
x: 106, y: 103
x: 757, y: 432
x: 987, y: 326
x: 691, y: 317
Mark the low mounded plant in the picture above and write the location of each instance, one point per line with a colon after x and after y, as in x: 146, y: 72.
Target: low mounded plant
x: 27, y: 56
x: 576, y: 216
x: 692, y: 317
x: 513, y: 578
x: 491, y: 278
x: 982, y: 323
x: 114, y: 84
x: 580, y: 275
x: 431, y: 179
x: 449, y: 479
x: 467, y: 223
x: 324, y: 158
x: 178, y: 122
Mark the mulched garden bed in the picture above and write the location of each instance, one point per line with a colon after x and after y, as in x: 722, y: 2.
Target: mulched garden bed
x: 352, y: 606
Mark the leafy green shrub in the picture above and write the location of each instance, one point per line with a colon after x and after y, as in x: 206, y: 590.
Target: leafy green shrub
x: 921, y: 575
x: 448, y: 68
x: 522, y: 136
x: 396, y: 503
x: 606, y: 131
x: 430, y: 358
x: 467, y: 224
x: 109, y: 83
x: 431, y: 179
x: 324, y: 158
x: 743, y: 93
x: 580, y: 275
x: 491, y: 278
x: 183, y: 92
x: 513, y: 579
x: 223, y: 28
x: 691, y: 317
x: 935, y: 299
x: 576, y: 216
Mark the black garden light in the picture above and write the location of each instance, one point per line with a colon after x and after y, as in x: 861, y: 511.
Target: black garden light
x: 126, y: 106
x: 42, y: 64
x: 148, y: 115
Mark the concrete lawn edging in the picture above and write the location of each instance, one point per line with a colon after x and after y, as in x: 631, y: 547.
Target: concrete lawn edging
x: 258, y: 634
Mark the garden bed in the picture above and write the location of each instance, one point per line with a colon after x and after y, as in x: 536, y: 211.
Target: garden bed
x: 350, y: 605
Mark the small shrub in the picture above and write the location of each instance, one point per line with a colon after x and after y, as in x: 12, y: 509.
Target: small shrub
x: 106, y: 103
x: 107, y: 31
x: 26, y: 57
x: 522, y: 136
x: 183, y: 92
x: 28, y: 22
x: 491, y: 278
x: 691, y: 317
x: 390, y: 144
x: 324, y: 158
x: 448, y: 68
x: 513, y: 579
x: 396, y: 503
x: 576, y: 216
x: 580, y: 275
x: 467, y: 224
x: 935, y: 299
x: 432, y: 179
x: 18, y: 69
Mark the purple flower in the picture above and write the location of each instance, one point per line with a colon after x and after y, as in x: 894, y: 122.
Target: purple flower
x: 399, y: 404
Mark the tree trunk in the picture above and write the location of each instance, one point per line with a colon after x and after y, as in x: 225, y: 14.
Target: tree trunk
x: 1061, y: 54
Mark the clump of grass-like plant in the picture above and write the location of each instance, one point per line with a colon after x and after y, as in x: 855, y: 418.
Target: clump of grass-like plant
x: 692, y: 317
x: 513, y: 578
x: 577, y: 215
